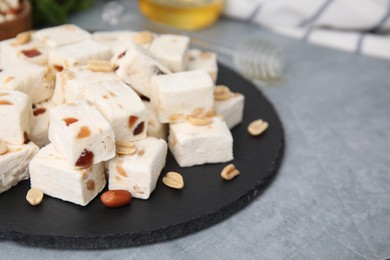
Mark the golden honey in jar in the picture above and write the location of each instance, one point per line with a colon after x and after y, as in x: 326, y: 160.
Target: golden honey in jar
x: 182, y: 14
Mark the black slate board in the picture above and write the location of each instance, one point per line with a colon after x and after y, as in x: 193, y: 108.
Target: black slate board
x: 205, y: 200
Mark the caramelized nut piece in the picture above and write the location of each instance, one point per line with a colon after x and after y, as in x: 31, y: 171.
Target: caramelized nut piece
x: 120, y: 170
x: 100, y: 66
x: 173, y: 180
x: 116, y: 198
x: 3, y: 147
x: 257, y: 127
x: 229, y: 172
x: 143, y: 37
x: 22, y: 38
x: 84, y: 132
x: 175, y: 118
x: 6, y: 102
x: 34, y: 196
x: 200, y: 121
x: 125, y: 148
x: 70, y: 120
x: 222, y: 92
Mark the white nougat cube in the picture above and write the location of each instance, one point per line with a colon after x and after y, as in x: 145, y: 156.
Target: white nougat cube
x: 81, y: 134
x: 196, y: 145
x: 34, y: 80
x: 155, y: 127
x: 78, y: 54
x: 52, y: 174
x: 41, y: 112
x: 136, y: 66
x: 14, y: 164
x: 61, y: 35
x: 181, y: 94
x: 138, y: 173
x: 198, y: 59
x: 71, y: 83
x: 171, y: 49
x: 122, y: 108
x: 16, y: 116
x: 33, y: 51
x: 231, y: 109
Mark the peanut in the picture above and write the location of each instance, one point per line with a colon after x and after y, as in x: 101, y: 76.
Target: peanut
x: 257, y: 127
x: 125, y: 148
x: 3, y: 147
x: 22, y: 38
x: 200, y: 121
x: 34, y: 196
x: 143, y: 37
x: 100, y: 66
x: 116, y: 198
x: 173, y: 180
x: 222, y: 92
x: 229, y: 172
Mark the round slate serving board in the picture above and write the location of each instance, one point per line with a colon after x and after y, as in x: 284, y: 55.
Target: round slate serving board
x: 205, y: 200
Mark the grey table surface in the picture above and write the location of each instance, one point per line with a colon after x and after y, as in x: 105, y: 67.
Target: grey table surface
x: 331, y: 197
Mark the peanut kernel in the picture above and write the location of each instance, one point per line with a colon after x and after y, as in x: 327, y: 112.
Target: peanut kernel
x: 3, y: 147
x: 257, y: 127
x: 229, y: 172
x: 143, y: 37
x: 173, y: 180
x: 22, y: 38
x: 100, y: 66
x: 34, y: 196
x: 222, y: 92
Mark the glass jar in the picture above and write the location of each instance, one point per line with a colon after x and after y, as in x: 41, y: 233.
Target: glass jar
x: 182, y: 14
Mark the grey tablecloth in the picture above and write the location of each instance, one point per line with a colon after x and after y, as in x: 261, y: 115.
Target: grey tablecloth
x: 331, y: 198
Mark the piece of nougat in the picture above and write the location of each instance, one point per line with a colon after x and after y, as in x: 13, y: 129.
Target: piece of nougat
x: 41, y: 112
x: 34, y: 80
x: 78, y: 54
x: 136, y: 66
x: 14, y: 164
x: 138, y: 173
x: 232, y: 109
x: 52, y: 174
x: 179, y: 94
x: 81, y: 134
x: 122, y: 108
x: 61, y: 35
x: 155, y: 127
x: 171, y: 49
x: 205, y: 60
x: 33, y: 51
x: 16, y: 115
x: 196, y: 145
x: 71, y: 83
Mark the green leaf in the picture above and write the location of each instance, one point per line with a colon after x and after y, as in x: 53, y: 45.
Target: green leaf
x: 52, y: 11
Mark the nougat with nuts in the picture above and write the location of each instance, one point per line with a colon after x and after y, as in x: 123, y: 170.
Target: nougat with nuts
x: 122, y: 108
x: 199, y: 59
x: 81, y: 134
x: 34, y: 80
x: 61, y: 35
x: 41, y: 112
x: 78, y: 54
x: 14, y: 161
x: 200, y: 144
x: 52, y: 174
x: 172, y: 50
x: 16, y: 117
x: 179, y: 94
x: 138, y: 173
x: 72, y: 83
x: 136, y: 66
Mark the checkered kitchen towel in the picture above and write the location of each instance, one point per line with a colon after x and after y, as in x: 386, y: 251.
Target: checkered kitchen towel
x: 360, y: 26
